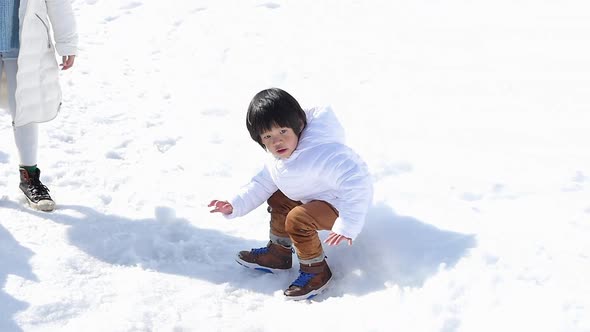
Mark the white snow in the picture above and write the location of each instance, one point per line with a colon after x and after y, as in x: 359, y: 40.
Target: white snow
x: 473, y: 116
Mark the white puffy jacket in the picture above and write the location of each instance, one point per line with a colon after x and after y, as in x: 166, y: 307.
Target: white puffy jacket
x: 323, y: 168
x: 38, y: 94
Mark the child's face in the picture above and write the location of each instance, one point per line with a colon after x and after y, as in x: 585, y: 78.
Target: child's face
x: 280, y: 141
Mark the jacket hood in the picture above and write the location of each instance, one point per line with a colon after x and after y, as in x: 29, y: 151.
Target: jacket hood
x: 322, y: 128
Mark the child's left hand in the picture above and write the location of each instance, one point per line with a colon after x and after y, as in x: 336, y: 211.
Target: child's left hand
x: 223, y: 207
x: 334, y: 239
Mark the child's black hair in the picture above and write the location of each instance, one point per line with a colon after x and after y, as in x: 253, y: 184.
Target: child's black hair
x: 274, y: 107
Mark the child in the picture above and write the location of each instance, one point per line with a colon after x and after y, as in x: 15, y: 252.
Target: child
x: 28, y: 55
x: 312, y: 181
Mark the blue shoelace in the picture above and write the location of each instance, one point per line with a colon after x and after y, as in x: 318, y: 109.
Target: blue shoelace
x: 259, y: 251
x: 303, y: 279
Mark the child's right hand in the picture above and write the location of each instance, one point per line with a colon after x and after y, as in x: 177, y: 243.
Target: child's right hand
x: 221, y: 206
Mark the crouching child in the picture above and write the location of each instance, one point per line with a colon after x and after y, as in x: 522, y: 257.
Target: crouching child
x: 311, y: 181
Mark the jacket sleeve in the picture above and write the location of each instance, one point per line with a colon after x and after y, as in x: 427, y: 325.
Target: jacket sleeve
x: 63, y: 23
x: 252, y: 195
x: 349, y: 176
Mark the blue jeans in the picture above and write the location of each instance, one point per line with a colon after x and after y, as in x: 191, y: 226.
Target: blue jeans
x: 11, y: 54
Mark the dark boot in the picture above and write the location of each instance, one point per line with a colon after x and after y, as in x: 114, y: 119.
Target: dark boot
x: 36, y: 192
x: 313, y: 279
x: 272, y: 258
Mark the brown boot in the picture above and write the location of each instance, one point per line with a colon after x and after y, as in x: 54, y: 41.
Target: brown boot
x: 313, y: 279
x: 272, y: 258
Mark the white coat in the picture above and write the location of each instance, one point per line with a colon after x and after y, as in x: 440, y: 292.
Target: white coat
x: 38, y: 94
x: 323, y: 168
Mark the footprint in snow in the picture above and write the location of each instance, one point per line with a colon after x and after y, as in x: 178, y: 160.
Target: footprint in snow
x: 110, y: 18
x: 106, y: 199
x: 270, y: 5
x: 165, y: 144
x: 471, y: 197
x: 113, y: 155
x: 131, y: 5
x: 64, y: 138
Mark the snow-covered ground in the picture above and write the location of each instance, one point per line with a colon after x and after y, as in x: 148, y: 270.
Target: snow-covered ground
x: 473, y: 116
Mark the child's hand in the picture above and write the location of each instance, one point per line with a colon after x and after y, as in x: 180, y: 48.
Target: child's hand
x: 221, y: 206
x: 334, y: 239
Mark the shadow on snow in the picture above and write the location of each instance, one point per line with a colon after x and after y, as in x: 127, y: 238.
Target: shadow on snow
x: 392, y: 249
x: 14, y: 260
x: 164, y: 243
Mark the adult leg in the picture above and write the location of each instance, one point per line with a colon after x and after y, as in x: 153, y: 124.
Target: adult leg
x: 26, y: 137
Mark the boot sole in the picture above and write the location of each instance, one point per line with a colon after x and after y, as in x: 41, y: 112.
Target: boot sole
x: 43, y: 205
x: 311, y: 294
x: 257, y: 267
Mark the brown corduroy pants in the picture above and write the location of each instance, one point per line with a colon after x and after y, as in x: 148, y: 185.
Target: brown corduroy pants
x: 301, y: 223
